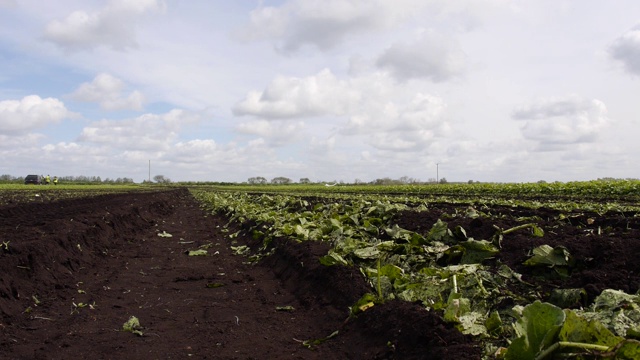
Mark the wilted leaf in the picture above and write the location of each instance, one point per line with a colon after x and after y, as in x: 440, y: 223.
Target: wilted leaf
x: 477, y: 251
x: 576, y: 329
x: 370, y: 252
x: 200, y: 252
x: 333, y: 258
x: 240, y: 250
x: 493, y: 323
x: 568, y: 298
x: 133, y: 325
x: 546, y: 255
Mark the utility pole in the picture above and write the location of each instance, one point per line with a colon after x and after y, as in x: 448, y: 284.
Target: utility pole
x: 437, y: 173
x: 149, y: 170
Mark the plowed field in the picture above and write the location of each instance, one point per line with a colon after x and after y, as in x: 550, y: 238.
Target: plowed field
x: 74, y: 271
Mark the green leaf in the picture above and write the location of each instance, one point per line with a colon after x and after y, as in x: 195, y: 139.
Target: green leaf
x: 547, y: 256
x: 133, y: 326
x: 477, y: 251
x: 537, y: 329
x: 391, y: 271
x: 439, y: 231
x: 333, y: 258
x: 629, y: 350
x: 568, y: 298
x: 459, y: 233
x: 310, y: 343
x: 493, y: 323
x: 537, y: 231
x: 365, y: 302
x: 577, y: 329
x: 370, y: 252
x: 240, y: 250
x: 200, y: 252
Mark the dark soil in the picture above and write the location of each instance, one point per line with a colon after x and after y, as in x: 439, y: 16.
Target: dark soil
x: 74, y: 271
x: 605, y: 247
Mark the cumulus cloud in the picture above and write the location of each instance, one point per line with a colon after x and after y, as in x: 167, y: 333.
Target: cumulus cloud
x: 433, y: 56
x: 402, y: 127
x: 626, y: 49
x: 12, y: 142
x: 112, y: 26
x: 32, y: 112
x: 556, y: 123
x: 108, y: 91
x: 275, y: 133
x: 324, y: 23
x: 370, y: 106
x: 149, y: 132
x: 291, y: 97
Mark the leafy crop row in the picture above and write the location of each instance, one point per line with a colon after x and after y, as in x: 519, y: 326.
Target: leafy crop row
x: 443, y: 270
x: 628, y: 190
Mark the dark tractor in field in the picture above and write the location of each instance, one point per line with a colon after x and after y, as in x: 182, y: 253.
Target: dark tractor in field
x: 32, y: 179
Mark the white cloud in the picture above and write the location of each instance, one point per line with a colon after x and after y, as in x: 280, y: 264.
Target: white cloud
x: 112, y: 26
x: 275, y: 133
x: 402, y: 127
x: 32, y: 112
x: 626, y: 49
x: 371, y: 105
x: 556, y: 123
x: 11, y: 142
x: 433, y: 56
x: 324, y: 23
x: 108, y: 91
x: 290, y: 97
x: 149, y: 132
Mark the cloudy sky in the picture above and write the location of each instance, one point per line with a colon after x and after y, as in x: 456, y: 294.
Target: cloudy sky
x: 346, y: 90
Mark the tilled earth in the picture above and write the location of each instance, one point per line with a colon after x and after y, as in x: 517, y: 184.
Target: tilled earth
x: 74, y: 271
x: 605, y: 247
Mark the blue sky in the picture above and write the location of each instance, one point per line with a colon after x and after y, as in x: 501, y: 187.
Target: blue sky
x: 330, y: 90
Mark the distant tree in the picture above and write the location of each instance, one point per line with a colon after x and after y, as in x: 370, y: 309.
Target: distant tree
x: 257, y: 180
x: 305, y: 181
x: 470, y: 182
x: 443, y: 181
x: 431, y: 180
x: 160, y: 179
x: 280, y: 180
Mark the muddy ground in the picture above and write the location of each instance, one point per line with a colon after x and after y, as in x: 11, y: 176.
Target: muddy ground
x: 72, y: 272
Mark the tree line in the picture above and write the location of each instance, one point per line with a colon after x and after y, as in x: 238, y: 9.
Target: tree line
x: 72, y: 179
x: 280, y: 180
